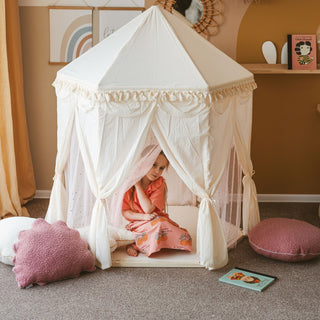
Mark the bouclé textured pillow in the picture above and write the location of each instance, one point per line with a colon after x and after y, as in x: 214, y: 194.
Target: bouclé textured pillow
x: 285, y: 239
x: 50, y: 252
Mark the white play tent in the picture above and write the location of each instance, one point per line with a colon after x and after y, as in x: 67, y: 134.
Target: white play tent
x: 155, y: 77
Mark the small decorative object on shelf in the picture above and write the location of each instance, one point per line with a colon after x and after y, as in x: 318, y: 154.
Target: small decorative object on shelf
x: 284, y: 54
x: 269, y: 52
x: 302, y: 51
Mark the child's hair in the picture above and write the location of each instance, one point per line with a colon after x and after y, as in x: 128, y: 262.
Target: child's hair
x: 165, y: 188
x: 148, y: 149
x: 165, y: 196
x: 161, y: 152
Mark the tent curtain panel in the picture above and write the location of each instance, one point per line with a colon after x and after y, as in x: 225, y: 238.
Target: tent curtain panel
x: 189, y: 143
x: 17, y: 184
x: 106, y: 164
x: 242, y: 138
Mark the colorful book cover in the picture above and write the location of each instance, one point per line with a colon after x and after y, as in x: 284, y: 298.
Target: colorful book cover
x: 247, y: 279
x: 302, y: 51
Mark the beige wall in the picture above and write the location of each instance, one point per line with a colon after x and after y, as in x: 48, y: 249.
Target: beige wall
x: 285, y: 147
x: 39, y: 94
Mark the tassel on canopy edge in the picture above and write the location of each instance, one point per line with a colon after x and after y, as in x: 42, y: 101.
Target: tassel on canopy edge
x: 66, y: 86
x: 239, y: 88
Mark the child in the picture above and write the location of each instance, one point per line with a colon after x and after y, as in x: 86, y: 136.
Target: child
x: 143, y: 206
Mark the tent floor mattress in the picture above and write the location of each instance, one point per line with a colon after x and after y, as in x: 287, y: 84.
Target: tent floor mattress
x: 164, y: 258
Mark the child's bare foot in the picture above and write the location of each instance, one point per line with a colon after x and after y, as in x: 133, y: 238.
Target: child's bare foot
x: 131, y: 251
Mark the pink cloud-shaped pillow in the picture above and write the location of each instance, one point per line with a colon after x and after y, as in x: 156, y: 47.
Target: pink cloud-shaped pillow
x: 50, y: 252
x: 286, y: 239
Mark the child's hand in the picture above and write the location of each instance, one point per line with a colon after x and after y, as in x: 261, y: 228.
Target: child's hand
x: 149, y: 216
x: 138, y: 184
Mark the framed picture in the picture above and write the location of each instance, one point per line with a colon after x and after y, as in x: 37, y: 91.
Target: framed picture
x: 113, y: 18
x: 302, y: 51
x: 70, y: 33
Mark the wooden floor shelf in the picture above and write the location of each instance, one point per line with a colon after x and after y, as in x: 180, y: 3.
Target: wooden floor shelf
x: 264, y: 68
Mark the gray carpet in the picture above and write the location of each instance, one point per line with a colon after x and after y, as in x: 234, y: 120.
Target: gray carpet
x: 174, y: 293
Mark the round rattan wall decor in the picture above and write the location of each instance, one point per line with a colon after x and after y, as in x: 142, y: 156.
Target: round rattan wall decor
x: 211, y: 13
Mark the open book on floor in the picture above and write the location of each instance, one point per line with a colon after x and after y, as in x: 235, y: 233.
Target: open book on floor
x: 247, y: 279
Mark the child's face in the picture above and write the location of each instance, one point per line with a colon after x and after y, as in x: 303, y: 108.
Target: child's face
x: 157, y: 169
x: 304, y: 49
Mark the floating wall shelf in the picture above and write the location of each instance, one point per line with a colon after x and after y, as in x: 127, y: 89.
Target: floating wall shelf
x: 264, y: 68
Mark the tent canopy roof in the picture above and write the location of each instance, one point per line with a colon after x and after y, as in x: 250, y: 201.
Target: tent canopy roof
x: 157, y: 50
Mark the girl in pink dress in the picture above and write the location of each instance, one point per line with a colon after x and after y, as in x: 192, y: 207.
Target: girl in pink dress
x: 143, y: 206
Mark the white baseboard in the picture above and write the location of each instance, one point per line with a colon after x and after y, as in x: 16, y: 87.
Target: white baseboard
x: 45, y: 194
x: 289, y: 198
x: 42, y: 194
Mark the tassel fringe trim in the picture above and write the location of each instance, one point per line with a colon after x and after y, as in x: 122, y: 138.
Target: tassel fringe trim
x: 64, y: 87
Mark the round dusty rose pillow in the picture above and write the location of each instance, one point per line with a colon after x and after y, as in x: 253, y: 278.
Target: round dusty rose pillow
x: 285, y: 239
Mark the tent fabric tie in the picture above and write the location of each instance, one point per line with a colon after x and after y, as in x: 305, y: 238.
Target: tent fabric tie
x: 250, y: 204
x: 210, y: 236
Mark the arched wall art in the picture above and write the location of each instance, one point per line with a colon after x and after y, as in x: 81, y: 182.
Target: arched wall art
x: 70, y: 33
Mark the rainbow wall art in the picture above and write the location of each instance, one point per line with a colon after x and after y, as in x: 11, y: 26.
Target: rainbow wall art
x: 70, y: 33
